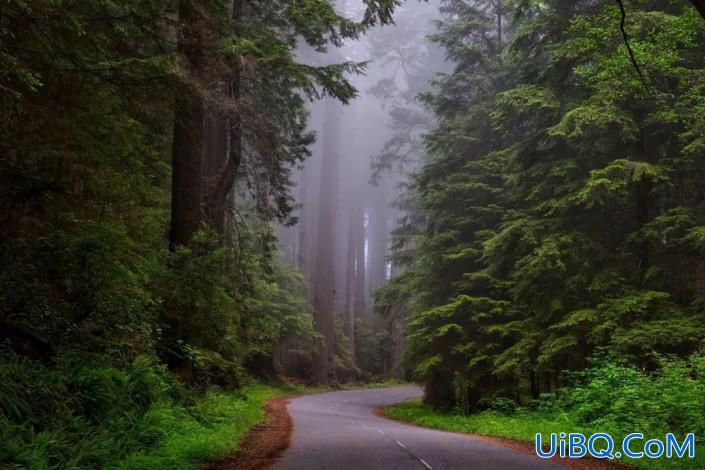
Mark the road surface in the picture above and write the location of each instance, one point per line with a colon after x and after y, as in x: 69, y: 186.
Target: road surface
x: 338, y: 431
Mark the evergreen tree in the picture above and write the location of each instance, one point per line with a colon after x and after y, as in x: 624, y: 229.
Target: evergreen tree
x: 560, y: 206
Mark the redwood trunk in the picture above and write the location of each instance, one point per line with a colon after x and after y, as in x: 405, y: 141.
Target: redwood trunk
x: 355, y: 270
x: 187, y: 156
x: 324, y: 274
x: 226, y: 147
x: 379, y: 237
x: 215, y: 157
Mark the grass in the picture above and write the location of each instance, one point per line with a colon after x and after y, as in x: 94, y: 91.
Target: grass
x: 520, y: 426
x: 96, y: 415
x: 210, y: 429
x: 379, y: 384
x: 523, y: 426
x: 214, y: 426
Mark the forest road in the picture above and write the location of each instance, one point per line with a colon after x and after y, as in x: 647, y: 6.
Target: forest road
x: 339, y: 431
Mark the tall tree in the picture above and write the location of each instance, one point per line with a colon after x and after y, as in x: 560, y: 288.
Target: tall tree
x: 254, y: 47
x: 323, y: 283
x: 355, y: 266
x: 187, y: 161
x: 413, y: 62
x: 379, y: 236
x: 565, y: 236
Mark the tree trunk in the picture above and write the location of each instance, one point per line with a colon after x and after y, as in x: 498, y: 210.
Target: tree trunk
x: 309, y: 192
x: 324, y: 274
x: 302, y: 256
x: 215, y: 157
x: 350, y: 279
x: 500, y: 12
x: 642, y: 217
x: 360, y: 268
x: 187, y: 156
x: 228, y: 146
x: 355, y: 273
x: 379, y: 236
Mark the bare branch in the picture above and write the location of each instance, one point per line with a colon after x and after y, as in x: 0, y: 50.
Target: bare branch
x: 626, y: 42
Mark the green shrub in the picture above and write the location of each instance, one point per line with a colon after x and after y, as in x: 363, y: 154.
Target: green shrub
x: 622, y: 398
x: 93, y: 415
x: 83, y: 414
x: 612, y: 396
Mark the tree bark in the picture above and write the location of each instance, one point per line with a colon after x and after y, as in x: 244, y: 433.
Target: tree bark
x: 302, y: 255
x: 215, y: 157
x: 324, y: 274
x: 379, y: 237
x: 187, y: 154
x: 228, y: 146
x: 350, y: 284
x: 500, y: 12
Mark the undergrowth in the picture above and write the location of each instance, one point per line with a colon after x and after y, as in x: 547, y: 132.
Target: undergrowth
x: 81, y: 414
x: 609, y: 397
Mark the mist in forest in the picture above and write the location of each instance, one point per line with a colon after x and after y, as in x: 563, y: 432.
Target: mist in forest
x: 208, y: 204
x: 346, y: 192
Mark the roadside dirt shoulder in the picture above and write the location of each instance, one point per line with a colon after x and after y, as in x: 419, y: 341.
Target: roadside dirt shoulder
x: 263, y: 444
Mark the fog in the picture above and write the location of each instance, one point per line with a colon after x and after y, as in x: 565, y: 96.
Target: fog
x: 346, y: 190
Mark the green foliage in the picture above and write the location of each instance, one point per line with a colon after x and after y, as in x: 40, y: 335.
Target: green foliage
x: 621, y: 397
x: 611, y: 396
x: 557, y: 211
x: 89, y: 289
x: 84, y: 414
x: 210, y: 429
x: 370, y: 350
x: 521, y: 426
x: 94, y: 415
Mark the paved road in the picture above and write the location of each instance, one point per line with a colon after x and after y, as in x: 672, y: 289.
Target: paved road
x: 338, y: 431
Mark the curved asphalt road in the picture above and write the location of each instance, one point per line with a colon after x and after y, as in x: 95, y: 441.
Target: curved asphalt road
x: 338, y: 431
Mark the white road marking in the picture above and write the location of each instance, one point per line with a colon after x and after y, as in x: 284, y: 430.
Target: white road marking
x: 401, y: 444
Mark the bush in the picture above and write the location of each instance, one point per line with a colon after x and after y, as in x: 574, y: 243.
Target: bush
x: 84, y: 414
x: 504, y: 405
x: 622, y: 398
x: 93, y: 415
